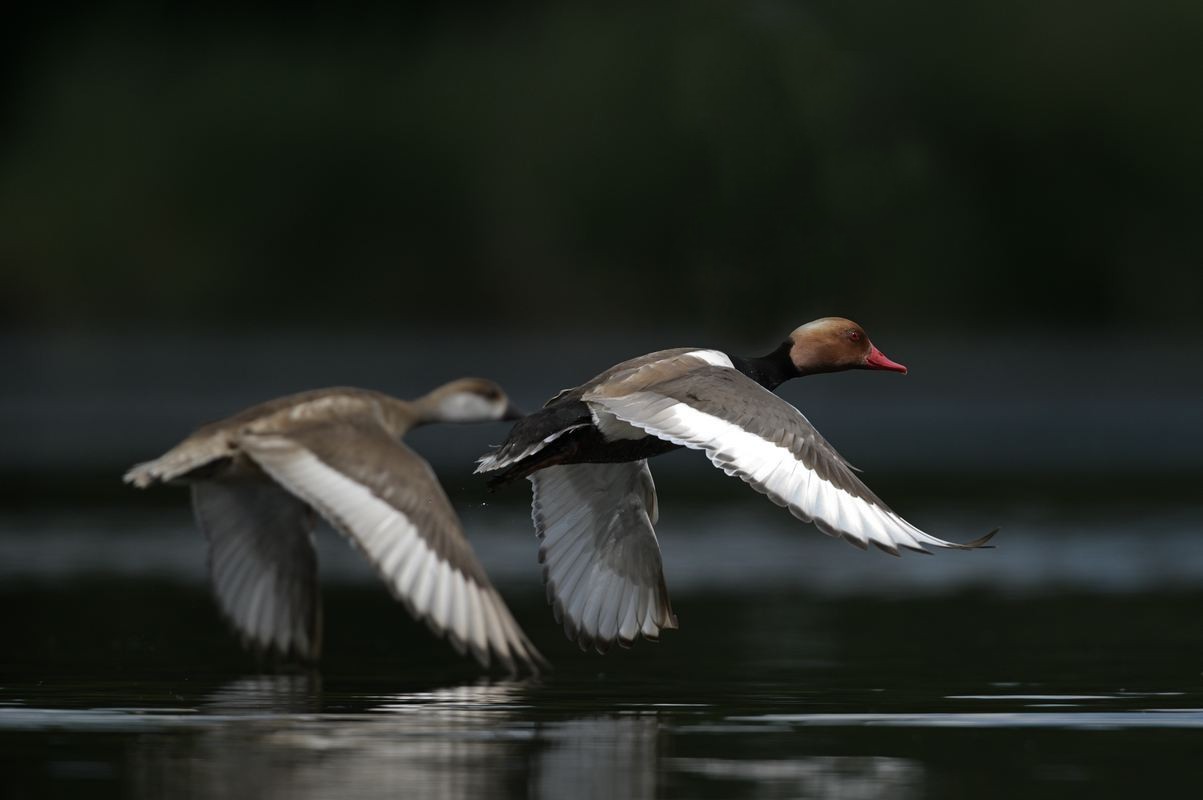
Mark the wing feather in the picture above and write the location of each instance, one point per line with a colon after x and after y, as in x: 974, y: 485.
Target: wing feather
x: 262, y: 564
x: 749, y: 432
x: 388, y: 504
x: 601, y: 561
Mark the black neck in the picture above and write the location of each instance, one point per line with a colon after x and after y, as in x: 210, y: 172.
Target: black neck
x: 771, y: 370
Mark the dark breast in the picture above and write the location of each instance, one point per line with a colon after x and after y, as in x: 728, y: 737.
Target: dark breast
x: 545, y: 422
x: 582, y: 445
x: 591, y: 448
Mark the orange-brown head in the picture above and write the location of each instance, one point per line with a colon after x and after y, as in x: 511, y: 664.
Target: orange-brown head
x: 833, y: 344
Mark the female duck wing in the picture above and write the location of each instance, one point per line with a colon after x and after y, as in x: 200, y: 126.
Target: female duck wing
x: 262, y: 564
x: 748, y: 431
x: 601, y: 561
x: 387, y: 501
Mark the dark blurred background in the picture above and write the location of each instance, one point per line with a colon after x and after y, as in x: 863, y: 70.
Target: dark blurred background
x: 203, y: 207
x: 925, y: 164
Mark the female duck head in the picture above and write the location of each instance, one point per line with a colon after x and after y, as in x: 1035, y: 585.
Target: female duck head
x: 467, y: 400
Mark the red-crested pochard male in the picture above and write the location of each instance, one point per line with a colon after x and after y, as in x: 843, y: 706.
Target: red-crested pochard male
x: 586, y: 451
x: 258, y: 476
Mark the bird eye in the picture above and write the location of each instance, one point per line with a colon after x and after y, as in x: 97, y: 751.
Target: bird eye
x: 854, y: 335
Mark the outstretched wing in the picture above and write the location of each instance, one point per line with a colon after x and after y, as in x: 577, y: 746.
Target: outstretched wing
x: 601, y: 561
x: 389, y: 504
x: 262, y: 564
x: 752, y: 433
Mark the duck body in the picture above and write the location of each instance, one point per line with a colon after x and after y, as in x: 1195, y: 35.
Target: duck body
x: 214, y: 450
x: 594, y: 500
x: 569, y: 430
x: 261, y: 477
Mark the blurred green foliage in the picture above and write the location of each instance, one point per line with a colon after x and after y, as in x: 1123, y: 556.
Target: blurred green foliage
x: 1034, y: 162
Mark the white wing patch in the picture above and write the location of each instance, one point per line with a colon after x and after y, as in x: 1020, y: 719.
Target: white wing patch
x: 612, y: 428
x: 432, y: 589
x: 715, y: 358
x: 772, y: 470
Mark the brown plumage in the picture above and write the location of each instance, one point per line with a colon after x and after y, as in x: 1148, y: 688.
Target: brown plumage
x: 259, y: 476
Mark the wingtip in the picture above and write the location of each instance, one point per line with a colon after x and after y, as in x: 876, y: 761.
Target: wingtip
x: 981, y: 542
x: 526, y: 659
x: 504, y: 662
x: 857, y: 543
x: 139, y: 476
x: 557, y: 611
x: 887, y: 549
x: 537, y: 661
x: 570, y: 627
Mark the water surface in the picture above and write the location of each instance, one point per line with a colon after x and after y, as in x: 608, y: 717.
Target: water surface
x: 1067, y: 662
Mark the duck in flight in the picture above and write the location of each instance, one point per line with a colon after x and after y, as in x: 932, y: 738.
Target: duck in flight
x: 258, y: 477
x: 594, y: 508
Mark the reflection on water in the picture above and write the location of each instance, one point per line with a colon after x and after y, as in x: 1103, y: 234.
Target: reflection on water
x: 802, y: 668
x: 1082, y: 720
x: 262, y: 737
x: 454, y: 743
x: 600, y: 757
x: 267, y: 694
x: 286, y: 736
x: 277, y: 736
x: 259, y: 739
x: 848, y: 778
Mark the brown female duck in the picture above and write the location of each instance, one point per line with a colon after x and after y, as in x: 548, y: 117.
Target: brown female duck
x: 258, y: 477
